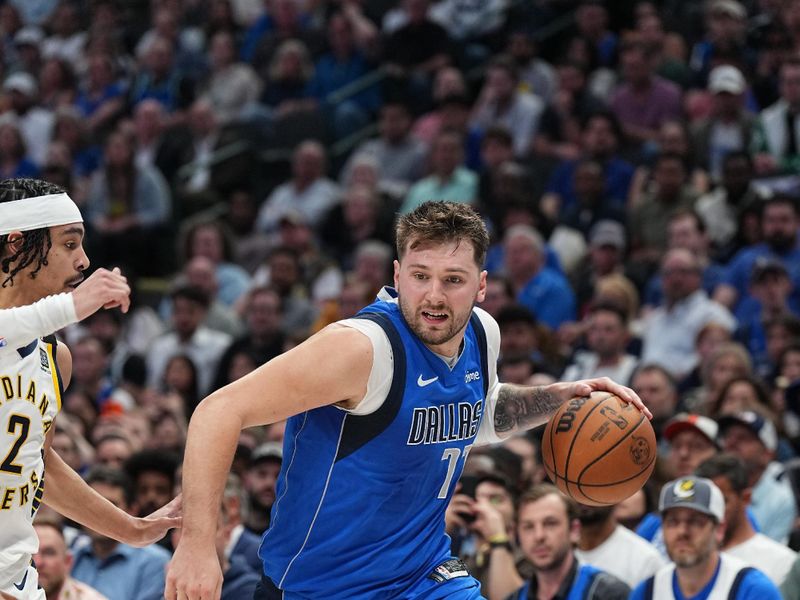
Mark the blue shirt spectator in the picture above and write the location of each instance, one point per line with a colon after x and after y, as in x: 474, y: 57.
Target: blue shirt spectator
x: 126, y: 574
x: 549, y: 296
x: 618, y: 174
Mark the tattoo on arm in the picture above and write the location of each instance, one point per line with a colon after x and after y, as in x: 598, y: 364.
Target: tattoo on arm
x: 520, y: 408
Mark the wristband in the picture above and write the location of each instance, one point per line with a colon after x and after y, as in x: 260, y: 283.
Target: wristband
x: 500, y: 541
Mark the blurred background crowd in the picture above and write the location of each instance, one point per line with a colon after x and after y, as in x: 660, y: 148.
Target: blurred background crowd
x: 243, y: 162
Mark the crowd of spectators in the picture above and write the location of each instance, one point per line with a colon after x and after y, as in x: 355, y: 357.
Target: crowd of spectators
x: 243, y: 161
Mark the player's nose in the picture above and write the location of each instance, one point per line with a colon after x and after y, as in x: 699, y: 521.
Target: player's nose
x: 83, y: 260
x: 435, y: 291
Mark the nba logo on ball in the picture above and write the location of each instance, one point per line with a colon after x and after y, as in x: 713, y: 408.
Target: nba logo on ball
x: 598, y: 449
x: 640, y: 450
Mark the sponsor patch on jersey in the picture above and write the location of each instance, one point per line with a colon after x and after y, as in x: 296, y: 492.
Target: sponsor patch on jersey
x: 44, y: 360
x: 472, y: 376
x: 450, y: 569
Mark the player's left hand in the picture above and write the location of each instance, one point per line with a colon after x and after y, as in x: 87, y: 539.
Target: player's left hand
x: 155, y: 526
x: 568, y: 390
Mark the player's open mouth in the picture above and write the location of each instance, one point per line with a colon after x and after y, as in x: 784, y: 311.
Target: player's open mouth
x: 435, y: 317
x: 73, y: 283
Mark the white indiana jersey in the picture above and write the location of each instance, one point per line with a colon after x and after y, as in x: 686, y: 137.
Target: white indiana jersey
x: 30, y: 398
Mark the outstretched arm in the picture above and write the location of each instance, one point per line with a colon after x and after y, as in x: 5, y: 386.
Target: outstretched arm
x: 331, y: 367
x: 69, y: 495
x: 523, y: 407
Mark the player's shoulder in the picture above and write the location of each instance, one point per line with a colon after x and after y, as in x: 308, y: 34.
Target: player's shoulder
x: 345, y: 336
x: 489, y: 325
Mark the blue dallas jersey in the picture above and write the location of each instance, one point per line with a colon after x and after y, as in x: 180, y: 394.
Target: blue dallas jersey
x: 360, y: 500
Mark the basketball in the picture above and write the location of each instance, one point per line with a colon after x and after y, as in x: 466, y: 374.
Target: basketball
x: 598, y: 449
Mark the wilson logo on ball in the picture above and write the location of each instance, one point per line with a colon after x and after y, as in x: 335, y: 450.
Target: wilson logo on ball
x: 568, y: 417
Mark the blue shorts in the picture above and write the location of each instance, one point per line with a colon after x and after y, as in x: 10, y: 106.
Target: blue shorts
x: 461, y: 588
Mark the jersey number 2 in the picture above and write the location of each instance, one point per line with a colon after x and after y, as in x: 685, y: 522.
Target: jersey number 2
x: 23, y: 424
x: 451, y: 455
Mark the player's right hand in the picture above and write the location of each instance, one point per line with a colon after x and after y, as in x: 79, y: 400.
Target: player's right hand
x: 102, y: 289
x: 193, y: 573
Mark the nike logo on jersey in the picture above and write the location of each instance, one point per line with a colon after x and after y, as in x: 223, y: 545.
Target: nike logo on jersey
x: 21, y: 586
x: 423, y: 382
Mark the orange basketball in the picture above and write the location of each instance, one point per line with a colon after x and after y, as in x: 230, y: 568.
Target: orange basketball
x: 599, y: 449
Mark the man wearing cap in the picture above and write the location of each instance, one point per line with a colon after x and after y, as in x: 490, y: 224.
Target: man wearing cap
x: 693, y: 510
x: 691, y: 439
x: 753, y: 438
x: 41, y: 235
x: 607, y: 242
x: 729, y: 128
x: 259, y: 483
x: 741, y: 540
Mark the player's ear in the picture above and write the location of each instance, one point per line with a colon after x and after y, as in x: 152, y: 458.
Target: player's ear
x: 481, y: 287
x: 14, y: 243
x: 396, y: 274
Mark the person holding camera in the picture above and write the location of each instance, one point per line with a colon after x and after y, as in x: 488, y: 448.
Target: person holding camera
x: 480, y: 520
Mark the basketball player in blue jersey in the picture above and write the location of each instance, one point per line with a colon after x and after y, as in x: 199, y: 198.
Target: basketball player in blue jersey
x: 382, y: 411
x: 41, y: 264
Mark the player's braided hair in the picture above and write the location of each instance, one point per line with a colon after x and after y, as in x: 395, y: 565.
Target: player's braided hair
x: 36, y: 243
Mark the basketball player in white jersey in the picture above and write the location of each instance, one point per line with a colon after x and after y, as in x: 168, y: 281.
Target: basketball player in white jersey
x: 41, y: 262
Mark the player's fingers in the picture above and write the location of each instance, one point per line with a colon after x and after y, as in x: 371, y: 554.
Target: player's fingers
x: 628, y: 395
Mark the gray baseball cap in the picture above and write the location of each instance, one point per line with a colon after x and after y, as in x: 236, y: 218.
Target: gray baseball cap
x: 695, y: 493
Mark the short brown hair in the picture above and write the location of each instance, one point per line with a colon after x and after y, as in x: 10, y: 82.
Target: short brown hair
x: 442, y: 222
x: 540, y: 490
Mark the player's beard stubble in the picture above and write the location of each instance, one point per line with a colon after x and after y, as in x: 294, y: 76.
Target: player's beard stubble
x: 453, y: 324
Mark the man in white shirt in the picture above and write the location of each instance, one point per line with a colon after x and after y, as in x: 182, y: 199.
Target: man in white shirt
x: 202, y: 345
x: 671, y: 329
x: 609, y: 546
x: 741, y: 540
x: 501, y: 103
x: 308, y: 192
x: 606, y: 338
